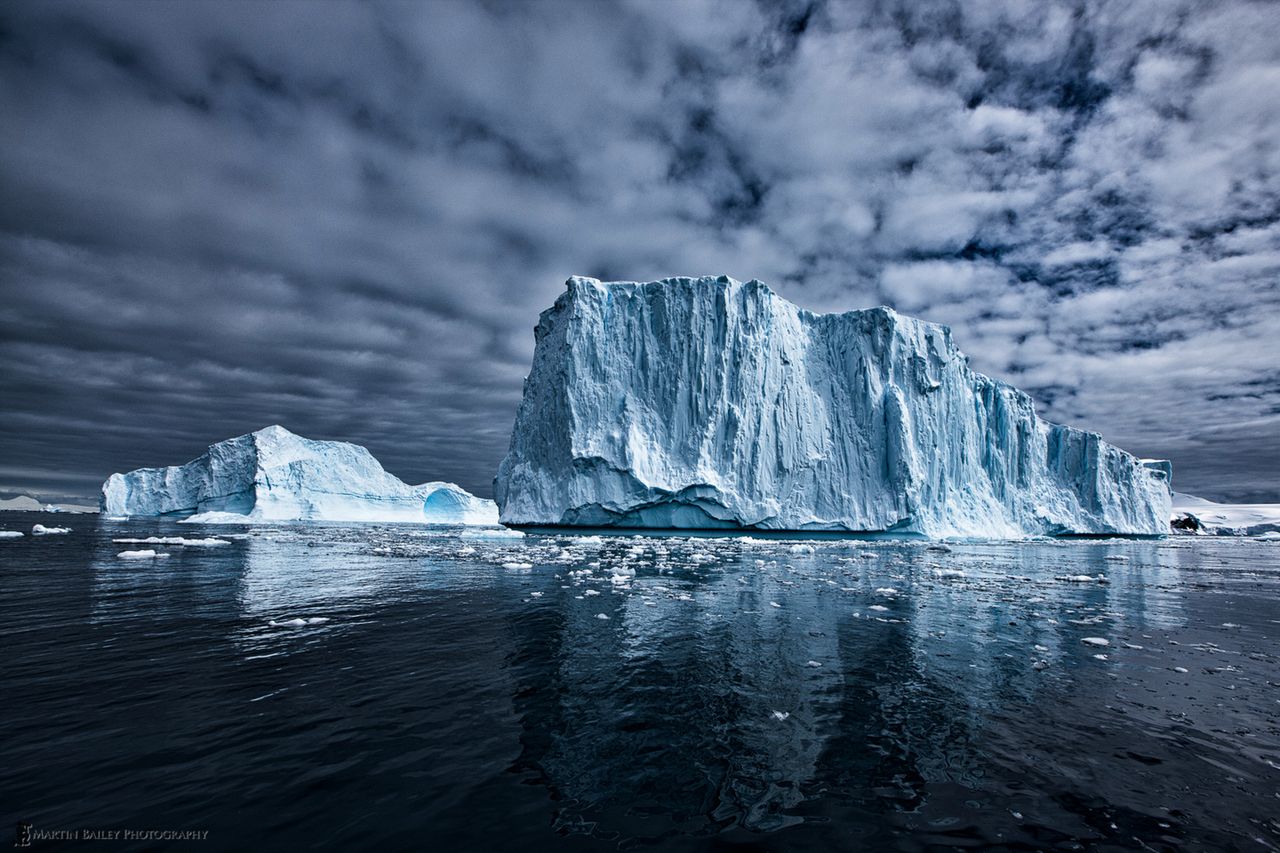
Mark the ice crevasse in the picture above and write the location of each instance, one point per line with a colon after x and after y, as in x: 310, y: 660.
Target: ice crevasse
x: 710, y: 403
x: 274, y: 475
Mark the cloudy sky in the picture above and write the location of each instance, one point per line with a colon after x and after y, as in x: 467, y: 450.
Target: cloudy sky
x: 345, y: 218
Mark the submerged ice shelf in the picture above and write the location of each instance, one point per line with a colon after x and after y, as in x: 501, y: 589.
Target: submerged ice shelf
x: 274, y: 475
x: 709, y: 403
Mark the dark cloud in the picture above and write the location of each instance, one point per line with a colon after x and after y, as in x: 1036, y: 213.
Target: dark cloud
x: 347, y: 221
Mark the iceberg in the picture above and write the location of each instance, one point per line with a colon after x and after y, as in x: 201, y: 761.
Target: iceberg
x: 710, y: 403
x: 26, y: 503
x: 1193, y: 515
x: 274, y: 475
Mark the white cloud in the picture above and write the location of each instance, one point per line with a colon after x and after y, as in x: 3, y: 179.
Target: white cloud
x: 387, y: 194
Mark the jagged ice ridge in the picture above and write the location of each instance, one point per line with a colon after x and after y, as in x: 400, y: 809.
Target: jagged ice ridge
x: 709, y: 403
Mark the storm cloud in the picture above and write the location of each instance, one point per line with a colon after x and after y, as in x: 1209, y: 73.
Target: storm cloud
x: 345, y: 217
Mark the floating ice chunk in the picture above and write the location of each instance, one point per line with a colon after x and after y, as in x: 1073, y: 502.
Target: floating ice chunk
x: 886, y: 590
x: 1040, y: 664
x: 10, y: 534
x: 1099, y: 657
x: 801, y: 549
x: 483, y: 533
x: 144, y: 554
x: 603, y: 616
x: 591, y: 592
x: 880, y: 608
x: 174, y: 540
x: 1095, y: 641
x: 1181, y: 669
x: 781, y: 715
x: 1082, y: 578
x: 41, y: 530
x: 298, y: 622
x: 216, y: 517
x: 774, y: 604
x: 812, y: 663
x: 535, y: 595
x: 517, y: 565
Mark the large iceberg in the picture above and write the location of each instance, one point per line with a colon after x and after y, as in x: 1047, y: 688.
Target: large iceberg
x: 709, y: 403
x: 274, y: 475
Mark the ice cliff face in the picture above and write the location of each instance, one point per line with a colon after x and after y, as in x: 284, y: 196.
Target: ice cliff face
x: 274, y: 475
x: 704, y: 403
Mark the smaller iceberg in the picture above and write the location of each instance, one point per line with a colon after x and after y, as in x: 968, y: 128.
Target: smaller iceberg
x: 1202, y: 517
x: 26, y: 503
x: 274, y: 475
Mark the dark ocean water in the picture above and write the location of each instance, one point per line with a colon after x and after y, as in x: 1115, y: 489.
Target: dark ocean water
x: 466, y: 692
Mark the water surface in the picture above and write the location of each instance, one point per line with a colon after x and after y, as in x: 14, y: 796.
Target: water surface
x: 408, y: 687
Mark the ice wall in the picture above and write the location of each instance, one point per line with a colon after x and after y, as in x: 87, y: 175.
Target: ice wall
x: 705, y: 403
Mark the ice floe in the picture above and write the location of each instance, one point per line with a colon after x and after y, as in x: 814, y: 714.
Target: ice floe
x: 174, y: 540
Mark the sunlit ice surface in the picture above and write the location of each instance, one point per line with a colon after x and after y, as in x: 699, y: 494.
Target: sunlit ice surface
x: 459, y: 688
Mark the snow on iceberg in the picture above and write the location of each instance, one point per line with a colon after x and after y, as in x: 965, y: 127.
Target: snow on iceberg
x: 1199, y: 516
x: 274, y: 475
x: 708, y: 403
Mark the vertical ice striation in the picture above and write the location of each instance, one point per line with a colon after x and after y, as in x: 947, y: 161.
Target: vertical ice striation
x: 274, y: 475
x: 703, y: 403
